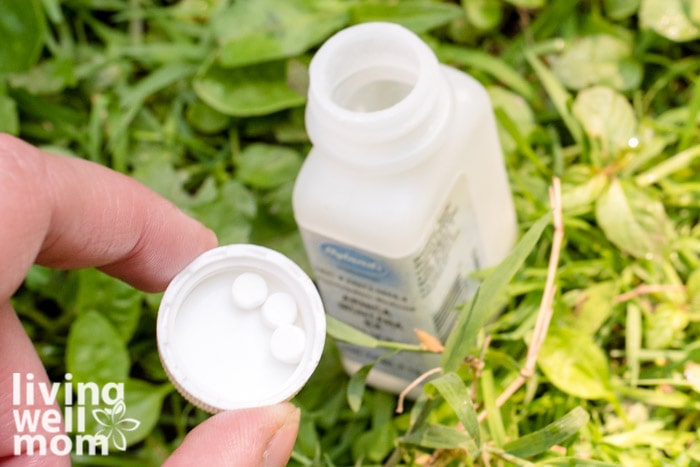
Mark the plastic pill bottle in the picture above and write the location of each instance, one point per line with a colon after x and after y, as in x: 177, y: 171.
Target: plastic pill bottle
x: 403, y: 194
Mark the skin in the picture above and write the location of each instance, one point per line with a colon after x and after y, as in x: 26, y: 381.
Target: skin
x: 69, y: 213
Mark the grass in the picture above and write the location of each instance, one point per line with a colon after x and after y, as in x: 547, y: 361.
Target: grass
x: 203, y: 101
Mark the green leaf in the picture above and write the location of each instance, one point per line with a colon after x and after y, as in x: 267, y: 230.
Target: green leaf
x: 22, y: 28
x: 518, y: 111
x: 574, y: 462
x: 441, y: 437
x: 417, y: 15
x: 375, y: 444
x: 573, y: 362
x: 484, y: 14
x: 661, y: 398
x: 267, y: 166
x: 494, y: 418
x: 663, y: 328
x: 632, y: 220
x: 557, y: 432
x: 651, y: 433
x: 59, y: 286
x: 607, y: 116
x: 692, y: 9
x: 112, y: 298
x: 206, y: 119
x: 527, y: 3
x: 669, y: 19
x: 53, y: 11
x: 595, y: 307
x: 246, y: 91
x: 681, y: 161
x: 264, y: 30
x: 693, y: 290
x: 357, y: 385
x: 157, y: 80
x: 633, y: 341
x: 346, y: 333
x: 473, y: 317
x: 49, y: 77
x: 621, y: 9
x: 602, y: 60
x: 557, y: 93
x: 583, y: 194
x: 158, y: 174
x: 95, y: 351
x: 497, y: 68
x: 230, y: 214
x: 59, y: 114
x: 144, y: 402
x: 160, y: 52
x: 454, y: 391
x: 107, y: 5
x: 278, y: 203
x: 9, y: 118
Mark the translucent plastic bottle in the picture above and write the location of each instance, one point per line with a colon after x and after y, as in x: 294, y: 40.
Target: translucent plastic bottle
x: 403, y: 194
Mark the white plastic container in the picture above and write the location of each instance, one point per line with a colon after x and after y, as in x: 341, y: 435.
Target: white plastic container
x: 403, y: 194
x: 241, y: 326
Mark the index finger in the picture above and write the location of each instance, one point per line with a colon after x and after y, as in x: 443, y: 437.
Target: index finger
x: 66, y: 212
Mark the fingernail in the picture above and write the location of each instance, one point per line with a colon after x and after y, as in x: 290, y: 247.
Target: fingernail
x: 280, y: 445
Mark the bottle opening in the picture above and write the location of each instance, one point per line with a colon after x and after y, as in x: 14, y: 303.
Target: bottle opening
x: 369, y: 68
x: 377, y: 97
x: 373, y: 90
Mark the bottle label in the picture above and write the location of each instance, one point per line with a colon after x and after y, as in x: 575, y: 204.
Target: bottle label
x: 389, y: 298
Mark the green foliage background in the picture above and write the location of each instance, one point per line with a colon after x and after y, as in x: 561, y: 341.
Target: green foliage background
x: 203, y: 101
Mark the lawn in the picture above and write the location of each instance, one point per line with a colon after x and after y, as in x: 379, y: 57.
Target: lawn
x: 594, y: 356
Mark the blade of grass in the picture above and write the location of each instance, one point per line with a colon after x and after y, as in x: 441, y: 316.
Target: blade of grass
x: 98, y: 111
x: 441, y: 437
x: 556, y: 432
x: 689, y: 133
x: 346, y: 333
x: 496, y: 67
x: 523, y: 146
x: 154, y: 82
x: 680, y: 161
x: 574, y: 462
x: 561, y: 99
x: 633, y: 341
x: 557, y: 154
x: 494, y: 419
x: 472, y: 318
x: 456, y: 394
x: 358, y: 383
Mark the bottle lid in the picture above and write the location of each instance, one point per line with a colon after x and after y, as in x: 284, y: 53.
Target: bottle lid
x: 241, y: 326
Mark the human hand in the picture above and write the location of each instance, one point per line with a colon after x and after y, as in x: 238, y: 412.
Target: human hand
x: 69, y: 213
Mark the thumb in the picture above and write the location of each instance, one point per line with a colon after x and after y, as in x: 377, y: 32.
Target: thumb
x: 250, y: 437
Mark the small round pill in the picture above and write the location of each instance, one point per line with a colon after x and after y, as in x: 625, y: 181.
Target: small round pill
x: 249, y: 290
x: 279, y: 309
x: 287, y: 343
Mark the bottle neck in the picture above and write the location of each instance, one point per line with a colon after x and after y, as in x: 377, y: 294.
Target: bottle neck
x: 378, y: 98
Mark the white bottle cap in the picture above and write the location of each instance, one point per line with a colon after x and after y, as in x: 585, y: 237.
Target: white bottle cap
x: 215, y: 342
